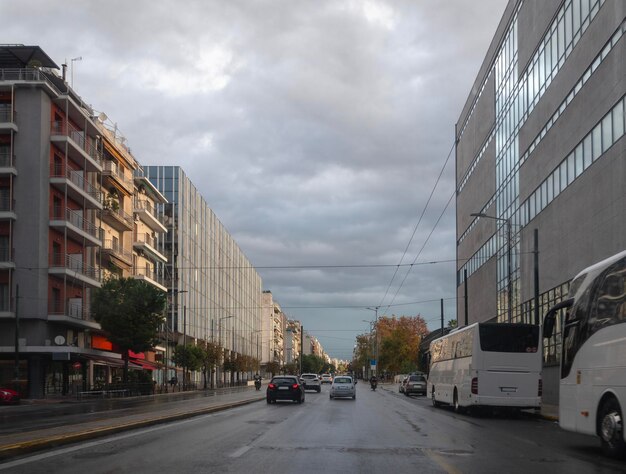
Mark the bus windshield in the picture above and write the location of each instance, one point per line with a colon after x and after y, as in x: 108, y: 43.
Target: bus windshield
x: 509, y: 337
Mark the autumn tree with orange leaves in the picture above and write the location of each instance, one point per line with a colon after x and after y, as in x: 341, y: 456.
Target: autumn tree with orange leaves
x: 398, y: 342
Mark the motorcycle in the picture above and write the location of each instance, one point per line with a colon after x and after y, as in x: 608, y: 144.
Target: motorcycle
x: 257, y: 384
x: 373, y: 384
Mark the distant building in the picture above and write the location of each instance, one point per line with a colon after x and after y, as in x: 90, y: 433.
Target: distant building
x: 540, y: 146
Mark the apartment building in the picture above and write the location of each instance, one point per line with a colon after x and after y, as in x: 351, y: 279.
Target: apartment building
x: 215, y: 292
x: 67, y: 220
x: 541, y: 162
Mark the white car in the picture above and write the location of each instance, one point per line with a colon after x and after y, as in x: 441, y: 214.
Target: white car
x: 311, y: 382
x: 343, y: 386
x: 326, y: 378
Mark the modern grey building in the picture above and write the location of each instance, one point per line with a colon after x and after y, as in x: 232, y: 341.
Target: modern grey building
x: 215, y: 291
x: 540, y: 149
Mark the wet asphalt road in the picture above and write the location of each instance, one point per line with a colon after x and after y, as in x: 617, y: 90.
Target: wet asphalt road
x: 381, y: 431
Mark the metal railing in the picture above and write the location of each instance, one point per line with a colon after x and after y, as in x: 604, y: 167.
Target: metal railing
x: 6, y: 159
x: 119, y: 214
x: 111, y: 168
x: 77, y: 179
x: 149, y: 274
x: 66, y: 129
x: 7, y: 114
x: 7, y: 204
x: 75, y: 263
x: 6, y: 253
x: 77, y: 220
x: 71, y: 309
x: 146, y: 239
x: 116, y: 248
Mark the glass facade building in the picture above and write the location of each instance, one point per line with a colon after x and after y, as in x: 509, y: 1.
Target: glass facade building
x: 540, y: 145
x: 215, y: 292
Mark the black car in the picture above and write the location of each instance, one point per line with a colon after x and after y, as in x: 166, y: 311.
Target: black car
x: 285, y: 387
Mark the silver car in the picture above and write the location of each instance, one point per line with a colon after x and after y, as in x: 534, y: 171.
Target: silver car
x: 343, y: 386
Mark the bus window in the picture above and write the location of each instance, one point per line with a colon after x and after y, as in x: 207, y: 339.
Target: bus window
x: 610, y: 304
x: 509, y: 338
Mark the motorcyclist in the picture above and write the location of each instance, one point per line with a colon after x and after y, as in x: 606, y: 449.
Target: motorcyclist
x: 257, y: 381
x: 373, y: 382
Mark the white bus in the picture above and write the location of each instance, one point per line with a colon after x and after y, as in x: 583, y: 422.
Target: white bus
x: 592, y: 392
x: 487, y: 365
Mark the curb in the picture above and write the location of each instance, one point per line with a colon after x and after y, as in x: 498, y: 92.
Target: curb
x: 26, y: 447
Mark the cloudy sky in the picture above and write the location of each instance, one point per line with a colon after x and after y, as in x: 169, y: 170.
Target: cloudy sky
x: 316, y: 130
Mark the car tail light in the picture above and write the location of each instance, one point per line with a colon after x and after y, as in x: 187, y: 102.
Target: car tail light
x: 295, y: 386
x: 271, y: 386
x: 475, y: 385
x: 540, y: 388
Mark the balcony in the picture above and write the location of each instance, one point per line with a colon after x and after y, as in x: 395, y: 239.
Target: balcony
x: 145, y: 244
x: 112, y: 176
x: 7, y: 208
x: 78, y: 188
x: 147, y: 213
x: 115, y: 217
x: 7, y: 118
x: 7, y: 163
x: 79, y: 147
x: 150, y: 277
x: 71, y: 312
x: 113, y: 251
x: 73, y: 267
x: 6, y: 258
x: 77, y: 227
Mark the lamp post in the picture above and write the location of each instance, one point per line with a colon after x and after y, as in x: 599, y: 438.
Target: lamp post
x: 508, y: 258
x: 368, y: 367
x: 375, y: 309
x: 219, y: 331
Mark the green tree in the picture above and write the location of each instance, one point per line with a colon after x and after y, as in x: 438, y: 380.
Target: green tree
x: 189, y: 357
x: 210, y: 357
x: 312, y: 364
x: 130, y: 313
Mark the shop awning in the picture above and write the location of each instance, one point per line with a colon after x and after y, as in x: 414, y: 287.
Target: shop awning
x: 111, y: 362
x: 147, y: 365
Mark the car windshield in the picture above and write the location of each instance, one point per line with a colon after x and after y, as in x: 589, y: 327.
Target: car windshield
x: 343, y: 380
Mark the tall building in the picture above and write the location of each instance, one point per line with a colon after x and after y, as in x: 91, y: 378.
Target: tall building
x: 215, y: 292
x: 540, y: 150
x: 293, y: 332
x: 68, y: 219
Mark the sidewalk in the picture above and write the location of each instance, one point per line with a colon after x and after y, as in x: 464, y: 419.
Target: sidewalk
x: 21, y: 443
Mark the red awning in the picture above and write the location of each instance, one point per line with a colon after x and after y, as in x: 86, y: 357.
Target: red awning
x: 147, y: 365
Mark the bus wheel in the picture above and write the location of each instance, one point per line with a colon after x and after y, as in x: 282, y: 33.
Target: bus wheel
x: 436, y: 404
x: 611, y: 426
x: 457, y: 408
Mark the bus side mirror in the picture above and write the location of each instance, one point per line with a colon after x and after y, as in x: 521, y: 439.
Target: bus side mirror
x: 548, y: 325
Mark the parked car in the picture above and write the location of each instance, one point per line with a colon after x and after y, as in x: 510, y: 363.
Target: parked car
x: 415, y: 383
x: 311, y: 382
x: 9, y: 396
x: 285, y: 387
x: 326, y: 378
x: 342, y: 386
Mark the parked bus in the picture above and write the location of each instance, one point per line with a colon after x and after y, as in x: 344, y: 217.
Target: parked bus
x: 487, y: 365
x: 592, y: 395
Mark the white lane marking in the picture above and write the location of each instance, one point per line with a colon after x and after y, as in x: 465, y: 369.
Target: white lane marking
x: 240, y: 452
x: 89, y: 444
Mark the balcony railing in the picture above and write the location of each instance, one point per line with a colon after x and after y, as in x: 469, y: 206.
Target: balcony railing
x: 77, y: 179
x: 6, y: 114
x: 114, y: 211
x: 149, y: 274
x: 111, y: 169
x: 75, y: 263
x: 71, y: 308
x: 6, y: 160
x: 6, y: 253
x: 59, y: 127
x: 146, y: 239
x: 7, y: 204
x: 27, y: 74
x: 77, y: 220
x: 116, y: 248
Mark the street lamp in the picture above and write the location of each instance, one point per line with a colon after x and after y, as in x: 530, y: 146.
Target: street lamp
x: 219, y: 332
x: 508, y: 258
x: 375, y: 309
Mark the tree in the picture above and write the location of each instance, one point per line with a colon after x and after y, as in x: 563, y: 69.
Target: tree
x: 453, y: 323
x: 189, y: 357
x: 210, y: 357
x: 273, y: 367
x: 130, y: 313
x: 398, y: 342
x: 312, y: 364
